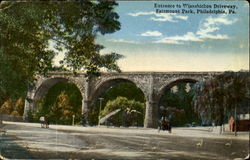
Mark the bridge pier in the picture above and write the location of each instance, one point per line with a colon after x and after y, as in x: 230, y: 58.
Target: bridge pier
x: 28, y: 107
x: 150, y: 120
x: 85, y: 112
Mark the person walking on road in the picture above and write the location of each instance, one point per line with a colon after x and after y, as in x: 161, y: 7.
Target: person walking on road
x: 44, y: 120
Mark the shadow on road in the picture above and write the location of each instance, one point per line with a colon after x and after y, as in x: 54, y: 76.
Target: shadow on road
x: 10, y: 149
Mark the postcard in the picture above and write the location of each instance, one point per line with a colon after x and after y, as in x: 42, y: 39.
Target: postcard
x: 124, y: 80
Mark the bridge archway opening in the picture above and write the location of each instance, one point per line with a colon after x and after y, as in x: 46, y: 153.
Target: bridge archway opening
x: 175, y: 103
x: 118, y: 94
x: 60, y: 100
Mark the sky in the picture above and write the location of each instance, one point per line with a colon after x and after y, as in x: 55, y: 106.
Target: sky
x: 152, y: 41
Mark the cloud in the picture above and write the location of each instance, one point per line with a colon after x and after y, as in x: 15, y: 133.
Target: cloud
x: 171, y: 17
x: 151, y: 34
x: 205, y: 33
x: 189, y: 36
x: 212, y: 24
x: 208, y: 29
x: 217, y: 36
x: 168, y: 41
x: 160, y: 17
x: 218, y: 20
x: 140, y: 13
x: 123, y: 41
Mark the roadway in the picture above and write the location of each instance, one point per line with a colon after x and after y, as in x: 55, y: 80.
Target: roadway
x: 30, y: 141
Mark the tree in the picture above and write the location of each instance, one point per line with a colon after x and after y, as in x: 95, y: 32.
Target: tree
x: 62, y: 101
x: 132, y: 109
x: 60, y: 111
x: 7, y: 107
x: 216, y: 97
x: 19, y: 106
x: 123, y: 89
x: 11, y: 107
x: 179, y: 104
x: 27, y: 30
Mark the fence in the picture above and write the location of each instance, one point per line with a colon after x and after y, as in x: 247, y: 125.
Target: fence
x: 5, y: 117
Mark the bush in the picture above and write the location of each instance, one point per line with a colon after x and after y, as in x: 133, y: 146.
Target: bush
x: 132, y: 112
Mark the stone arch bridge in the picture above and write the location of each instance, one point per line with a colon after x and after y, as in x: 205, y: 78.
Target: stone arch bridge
x: 152, y: 84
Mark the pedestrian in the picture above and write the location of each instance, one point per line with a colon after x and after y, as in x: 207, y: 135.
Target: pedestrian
x: 168, y: 124
x: 47, y: 121
x: 162, y: 124
x: 42, y: 121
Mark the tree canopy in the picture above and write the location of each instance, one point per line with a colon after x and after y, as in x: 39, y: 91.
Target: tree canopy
x: 215, y: 98
x: 178, y: 103
x: 28, y: 31
x: 13, y: 108
x: 131, y: 111
x: 124, y: 89
x: 62, y: 101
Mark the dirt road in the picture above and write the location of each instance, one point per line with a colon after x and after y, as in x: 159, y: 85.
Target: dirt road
x: 26, y: 141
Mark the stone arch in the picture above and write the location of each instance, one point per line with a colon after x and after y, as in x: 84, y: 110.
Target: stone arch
x: 168, y: 85
x: 42, y: 86
x: 173, y: 83
x: 104, y: 84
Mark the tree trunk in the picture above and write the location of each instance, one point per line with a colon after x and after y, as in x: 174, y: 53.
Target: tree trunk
x: 1, y: 117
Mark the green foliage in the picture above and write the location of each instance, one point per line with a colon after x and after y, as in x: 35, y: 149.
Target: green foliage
x: 19, y: 106
x: 22, y: 49
x: 7, y: 107
x: 123, y: 89
x: 126, y: 107
x: 216, y: 97
x: 62, y: 111
x: 179, y: 105
x: 27, y: 29
x: 12, y: 84
x: 61, y: 102
x: 15, y: 113
x: 12, y: 107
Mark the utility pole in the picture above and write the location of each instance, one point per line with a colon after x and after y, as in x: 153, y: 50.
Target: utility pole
x: 100, y: 108
x: 235, y: 120
x: 73, y: 120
